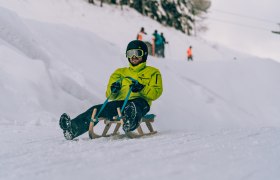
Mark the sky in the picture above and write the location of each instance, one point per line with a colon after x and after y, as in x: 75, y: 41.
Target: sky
x: 246, y: 26
x: 218, y: 116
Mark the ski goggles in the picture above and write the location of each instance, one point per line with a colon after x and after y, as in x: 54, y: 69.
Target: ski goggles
x: 135, y: 52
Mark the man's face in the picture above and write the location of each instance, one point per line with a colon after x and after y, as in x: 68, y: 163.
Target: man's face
x: 135, y: 60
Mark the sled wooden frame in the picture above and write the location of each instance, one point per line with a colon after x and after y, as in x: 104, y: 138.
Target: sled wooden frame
x: 147, y: 119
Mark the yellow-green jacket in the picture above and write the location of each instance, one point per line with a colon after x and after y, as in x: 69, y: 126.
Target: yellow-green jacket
x: 149, y: 76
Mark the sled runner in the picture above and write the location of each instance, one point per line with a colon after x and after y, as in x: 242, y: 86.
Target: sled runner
x: 118, y: 121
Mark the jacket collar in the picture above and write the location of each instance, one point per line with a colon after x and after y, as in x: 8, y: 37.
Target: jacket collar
x: 137, y: 68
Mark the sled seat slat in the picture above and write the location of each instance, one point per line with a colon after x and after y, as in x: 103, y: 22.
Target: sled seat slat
x: 148, y: 118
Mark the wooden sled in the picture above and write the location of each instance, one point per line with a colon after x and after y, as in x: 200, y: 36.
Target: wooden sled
x: 147, y: 119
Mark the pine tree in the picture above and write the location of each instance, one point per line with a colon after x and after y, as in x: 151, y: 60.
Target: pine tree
x: 184, y: 15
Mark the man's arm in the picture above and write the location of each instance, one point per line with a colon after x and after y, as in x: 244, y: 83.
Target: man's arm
x: 153, y: 90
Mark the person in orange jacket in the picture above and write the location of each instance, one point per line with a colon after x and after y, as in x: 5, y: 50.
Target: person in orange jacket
x: 189, y: 54
x: 141, y: 34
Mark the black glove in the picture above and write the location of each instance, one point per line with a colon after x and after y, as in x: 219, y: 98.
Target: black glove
x: 136, y: 86
x: 115, y: 87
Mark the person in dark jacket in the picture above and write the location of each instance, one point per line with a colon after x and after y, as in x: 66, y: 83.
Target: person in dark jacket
x: 157, y: 43
x: 162, y: 46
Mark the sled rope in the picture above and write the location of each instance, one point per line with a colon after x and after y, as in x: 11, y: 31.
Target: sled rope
x: 107, y: 100
x: 101, y: 109
x: 103, y: 105
x: 126, y: 99
x: 128, y: 94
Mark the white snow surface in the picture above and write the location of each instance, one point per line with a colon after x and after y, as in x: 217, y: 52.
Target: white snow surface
x: 218, y: 116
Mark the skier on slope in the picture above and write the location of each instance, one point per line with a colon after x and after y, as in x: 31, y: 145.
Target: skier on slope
x: 146, y: 88
x: 190, y: 54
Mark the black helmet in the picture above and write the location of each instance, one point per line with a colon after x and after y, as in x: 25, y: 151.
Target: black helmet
x: 136, y: 44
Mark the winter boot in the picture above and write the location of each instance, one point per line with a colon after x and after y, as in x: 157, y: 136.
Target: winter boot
x: 129, y: 117
x: 65, y: 122
x: 65, y: 125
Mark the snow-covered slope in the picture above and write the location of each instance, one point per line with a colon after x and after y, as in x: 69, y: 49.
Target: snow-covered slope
x: 217, y: 118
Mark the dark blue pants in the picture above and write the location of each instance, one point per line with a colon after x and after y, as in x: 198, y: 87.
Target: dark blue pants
x: 80, y: 124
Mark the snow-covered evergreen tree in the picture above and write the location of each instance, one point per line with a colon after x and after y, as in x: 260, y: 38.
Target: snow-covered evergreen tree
x: 184, y: 15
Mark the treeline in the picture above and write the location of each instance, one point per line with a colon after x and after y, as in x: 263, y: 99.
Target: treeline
x: 184, y: 15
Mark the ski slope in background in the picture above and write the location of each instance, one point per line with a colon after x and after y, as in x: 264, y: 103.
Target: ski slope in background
x: 218, y: 117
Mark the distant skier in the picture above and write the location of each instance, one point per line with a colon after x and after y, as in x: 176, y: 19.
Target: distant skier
x: 158, y: 41
x: 189, y: 54
x: 162, y: 46
x: 146, y: 88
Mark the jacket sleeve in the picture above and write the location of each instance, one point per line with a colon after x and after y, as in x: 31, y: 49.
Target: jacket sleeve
x: 154, y: 89
x: 116, y: 76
